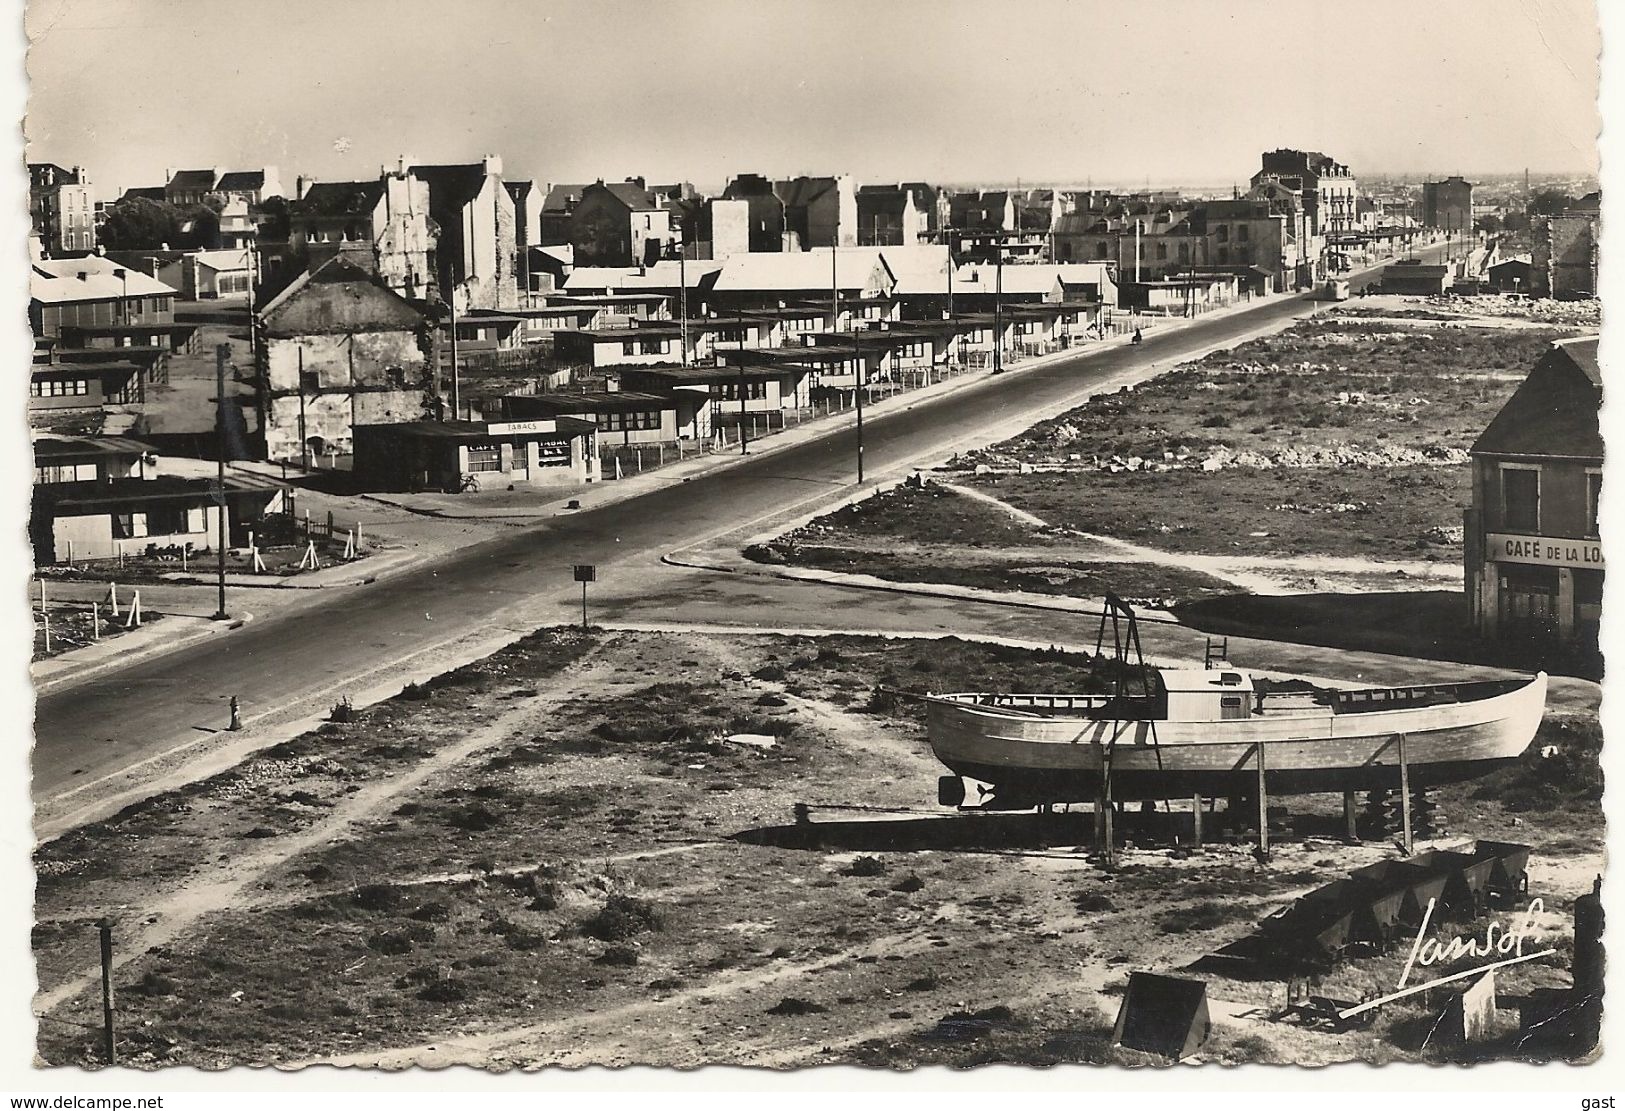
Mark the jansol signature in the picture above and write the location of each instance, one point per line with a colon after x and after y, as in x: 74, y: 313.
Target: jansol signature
x: 1501, y: 941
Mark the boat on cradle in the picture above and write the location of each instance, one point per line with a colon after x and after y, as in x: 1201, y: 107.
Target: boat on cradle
x: 1201, y: 732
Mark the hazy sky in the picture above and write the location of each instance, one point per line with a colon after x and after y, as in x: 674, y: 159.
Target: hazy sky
x: 1047, y: 90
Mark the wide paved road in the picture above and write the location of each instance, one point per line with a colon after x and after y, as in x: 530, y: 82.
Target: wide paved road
x: 299, y: 657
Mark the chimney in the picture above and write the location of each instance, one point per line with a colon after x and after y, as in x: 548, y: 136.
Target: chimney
x: 406, y: 162
x: 84, y: 275
x: 612, y: 384
x: 492, y: 164
x: 169, y: 175
x: 299, y: 186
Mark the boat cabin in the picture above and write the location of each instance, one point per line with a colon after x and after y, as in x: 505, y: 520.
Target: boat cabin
x: 1220, y: 694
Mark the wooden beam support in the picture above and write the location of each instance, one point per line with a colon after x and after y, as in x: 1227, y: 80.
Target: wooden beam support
x: 1407, y: 833
x: 1196, y: 820
x: 1351, y: 828
x: 1263, y: 807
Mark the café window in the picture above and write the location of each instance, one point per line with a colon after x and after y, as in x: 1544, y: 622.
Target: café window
x: 1520, y: 499
x: 1594, y: 502
x: 484, y: 459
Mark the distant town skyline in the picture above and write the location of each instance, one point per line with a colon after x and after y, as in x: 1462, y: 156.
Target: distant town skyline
x: 1187, y: 93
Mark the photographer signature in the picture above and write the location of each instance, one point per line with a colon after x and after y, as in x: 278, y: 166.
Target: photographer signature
x: 1498, y: 939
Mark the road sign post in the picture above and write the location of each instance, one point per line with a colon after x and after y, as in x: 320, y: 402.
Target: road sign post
x: 584, y: 574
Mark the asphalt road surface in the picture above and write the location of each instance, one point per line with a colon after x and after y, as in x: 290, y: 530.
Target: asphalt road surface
x: 297, y: 658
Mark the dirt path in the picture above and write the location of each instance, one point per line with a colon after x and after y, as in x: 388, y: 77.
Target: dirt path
x: 228, y: 887
x: 1259, y: 574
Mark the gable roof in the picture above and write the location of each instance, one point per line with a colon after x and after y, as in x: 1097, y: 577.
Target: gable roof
x: 666, y: 274
x: 632, y: 195
x: 143, y: 192
x: 191, y: 179
x: 882, y: 198
x: 1018, y: 279
x: 338, y: 296
x: 562, y: 198
x: 339, y: 198
x: 58, y: 281
x: 241, y: 180
x: 797, y: 271
x: 1554, y: 413
x: 918, y: 269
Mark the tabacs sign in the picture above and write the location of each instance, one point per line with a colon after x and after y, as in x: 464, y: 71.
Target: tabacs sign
x: 509, y: 428
x: 1543, y: 550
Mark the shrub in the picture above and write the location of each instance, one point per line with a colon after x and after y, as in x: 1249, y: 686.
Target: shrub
x: 618, y: 956
x: 415, y: 692
x: 621, y: 917
x: 866, y: 866
x: 772, y: 673
x: 909, y: 884
x: 343, y: 711
x: 790, y: 1005
x: 444, y: 991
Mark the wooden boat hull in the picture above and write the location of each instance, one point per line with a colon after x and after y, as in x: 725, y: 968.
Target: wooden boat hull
x: 1032, y: 759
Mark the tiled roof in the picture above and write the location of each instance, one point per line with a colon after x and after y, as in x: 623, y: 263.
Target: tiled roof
x: 192, y: 179
x: 1555, y: 411
x: 339, y: 198
x: 241, y: 180
x: 632, y: 195
x: 562, y: 198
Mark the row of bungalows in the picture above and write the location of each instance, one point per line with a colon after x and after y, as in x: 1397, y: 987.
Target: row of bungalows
x: 103, y: 333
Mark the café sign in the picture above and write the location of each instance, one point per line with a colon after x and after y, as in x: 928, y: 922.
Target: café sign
x: 1545, y: 551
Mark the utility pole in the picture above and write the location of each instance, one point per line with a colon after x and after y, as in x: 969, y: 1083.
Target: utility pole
x: 858, y: 378
x: 456, y: 395
x: 998, y: 306
x: 222, y: 353
x: 682, y: 299
x: 834, y: 293
x: 744, y: 442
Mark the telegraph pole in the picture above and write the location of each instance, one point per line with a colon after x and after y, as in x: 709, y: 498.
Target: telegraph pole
x: 682, y: 299
x: 744, y: 443
x: 456, y: 393
x: 222, y: 353
x: 858, y: 377
x: 998, y: 306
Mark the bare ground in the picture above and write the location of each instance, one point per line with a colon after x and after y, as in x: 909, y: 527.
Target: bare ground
x: 586, y: 849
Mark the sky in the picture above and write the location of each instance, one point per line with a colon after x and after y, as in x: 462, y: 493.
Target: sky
x: 1047, y: 91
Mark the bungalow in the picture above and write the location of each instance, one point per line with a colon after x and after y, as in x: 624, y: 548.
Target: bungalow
x: 647, y: 343
x: 617, y: 308
x: 666, y: 277
x: 487, y: 330
x: 462, y: 455
x: 95, y: 497
x: 1412, y: 277
x: 92, y: 290
x: 752, y: 281
x: 1512, y: 275
x: 538, y: 324
x: 790, y: 325
x: 338, y: 349
x: 836, y: 357
x: 624, y: 418
x: 771, y: 387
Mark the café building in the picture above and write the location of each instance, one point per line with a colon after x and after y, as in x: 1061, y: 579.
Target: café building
x: 1534, y: 561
